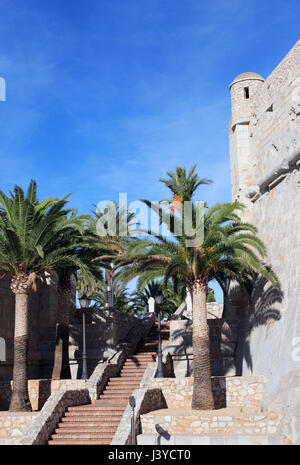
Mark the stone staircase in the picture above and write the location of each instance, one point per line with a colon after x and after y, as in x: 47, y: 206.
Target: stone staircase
x: 96, y: 423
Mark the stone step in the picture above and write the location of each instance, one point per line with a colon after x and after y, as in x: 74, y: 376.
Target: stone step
x: 119, y: 397
x: 133, y: 368
x: 123, y: 383
x: 142, y: 365
x: 88, y: 425
x: 73, y: 421
x: 123, y: 388
x: 94, y: 413
x: 86, y: 429
x: 132, y: 372
x: 78, y: 442
x: 122, y: 398
x: 93, y: 408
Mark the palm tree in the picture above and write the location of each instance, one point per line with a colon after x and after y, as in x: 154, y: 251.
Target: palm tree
x: 229, y: 247
x: 183, y: 185
x: 98, y: 292
x: 28, y: 231
x: 112, y: 227
x: 79, y: 244
x: 173, y: 296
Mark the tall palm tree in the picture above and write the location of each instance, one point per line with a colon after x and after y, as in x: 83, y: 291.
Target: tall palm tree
x: 183, y: 184
x: 229, y: 247
x: 79, y: 244
x: 28, y: 230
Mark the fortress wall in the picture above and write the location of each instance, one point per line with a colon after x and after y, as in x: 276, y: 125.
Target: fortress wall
x: 271, y: 346
x: 269, y: 332
x: 43, y: 307
x: 281, y: 76
x: 273, y: 132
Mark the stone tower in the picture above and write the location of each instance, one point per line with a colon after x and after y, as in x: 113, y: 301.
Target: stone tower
x: 264, y: 137
x: 243, y: 106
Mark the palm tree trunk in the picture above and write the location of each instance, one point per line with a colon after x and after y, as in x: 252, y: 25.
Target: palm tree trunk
x: 61, y: 368
x: 20, y: 399
x: 202, y: 393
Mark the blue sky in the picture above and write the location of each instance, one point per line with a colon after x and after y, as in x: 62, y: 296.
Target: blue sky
x: 104, y: 96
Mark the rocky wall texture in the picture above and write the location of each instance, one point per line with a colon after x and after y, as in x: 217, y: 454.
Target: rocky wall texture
x: 269, y: 330
x: 13, y: 426
x: 241, y: 392
x: 45, y: 422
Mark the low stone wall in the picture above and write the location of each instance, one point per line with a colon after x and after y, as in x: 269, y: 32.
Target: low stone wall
x: 14, y: 425
x: 223, y: 342
x: 229, y: 421
x: 228, y: 391
x: 39, y: 390
x: 146, y: 400
x: 45, y: 422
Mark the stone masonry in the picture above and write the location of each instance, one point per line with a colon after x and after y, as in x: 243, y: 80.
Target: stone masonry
x: 265, y: 160
x: 239, y: 392
x: 239, y: 417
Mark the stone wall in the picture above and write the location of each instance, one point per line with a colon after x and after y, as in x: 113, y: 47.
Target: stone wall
x: 105, y: 329
x: 147, y: 400
x: 45, y: 421
x: 14, y: 426
x: 270, y: 323
x: 223, y: 341
x: 41, y: 389
x: 241, y: 392
x: 229, y: 422
x: 43, y: 308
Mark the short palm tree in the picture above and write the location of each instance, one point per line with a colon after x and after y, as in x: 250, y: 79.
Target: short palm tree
x: 229, y: 247
x: 28, y: 231
x: 173, y: 296
x: 112, y: 227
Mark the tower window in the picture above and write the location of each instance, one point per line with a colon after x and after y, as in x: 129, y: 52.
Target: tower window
x: 246, y: 92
